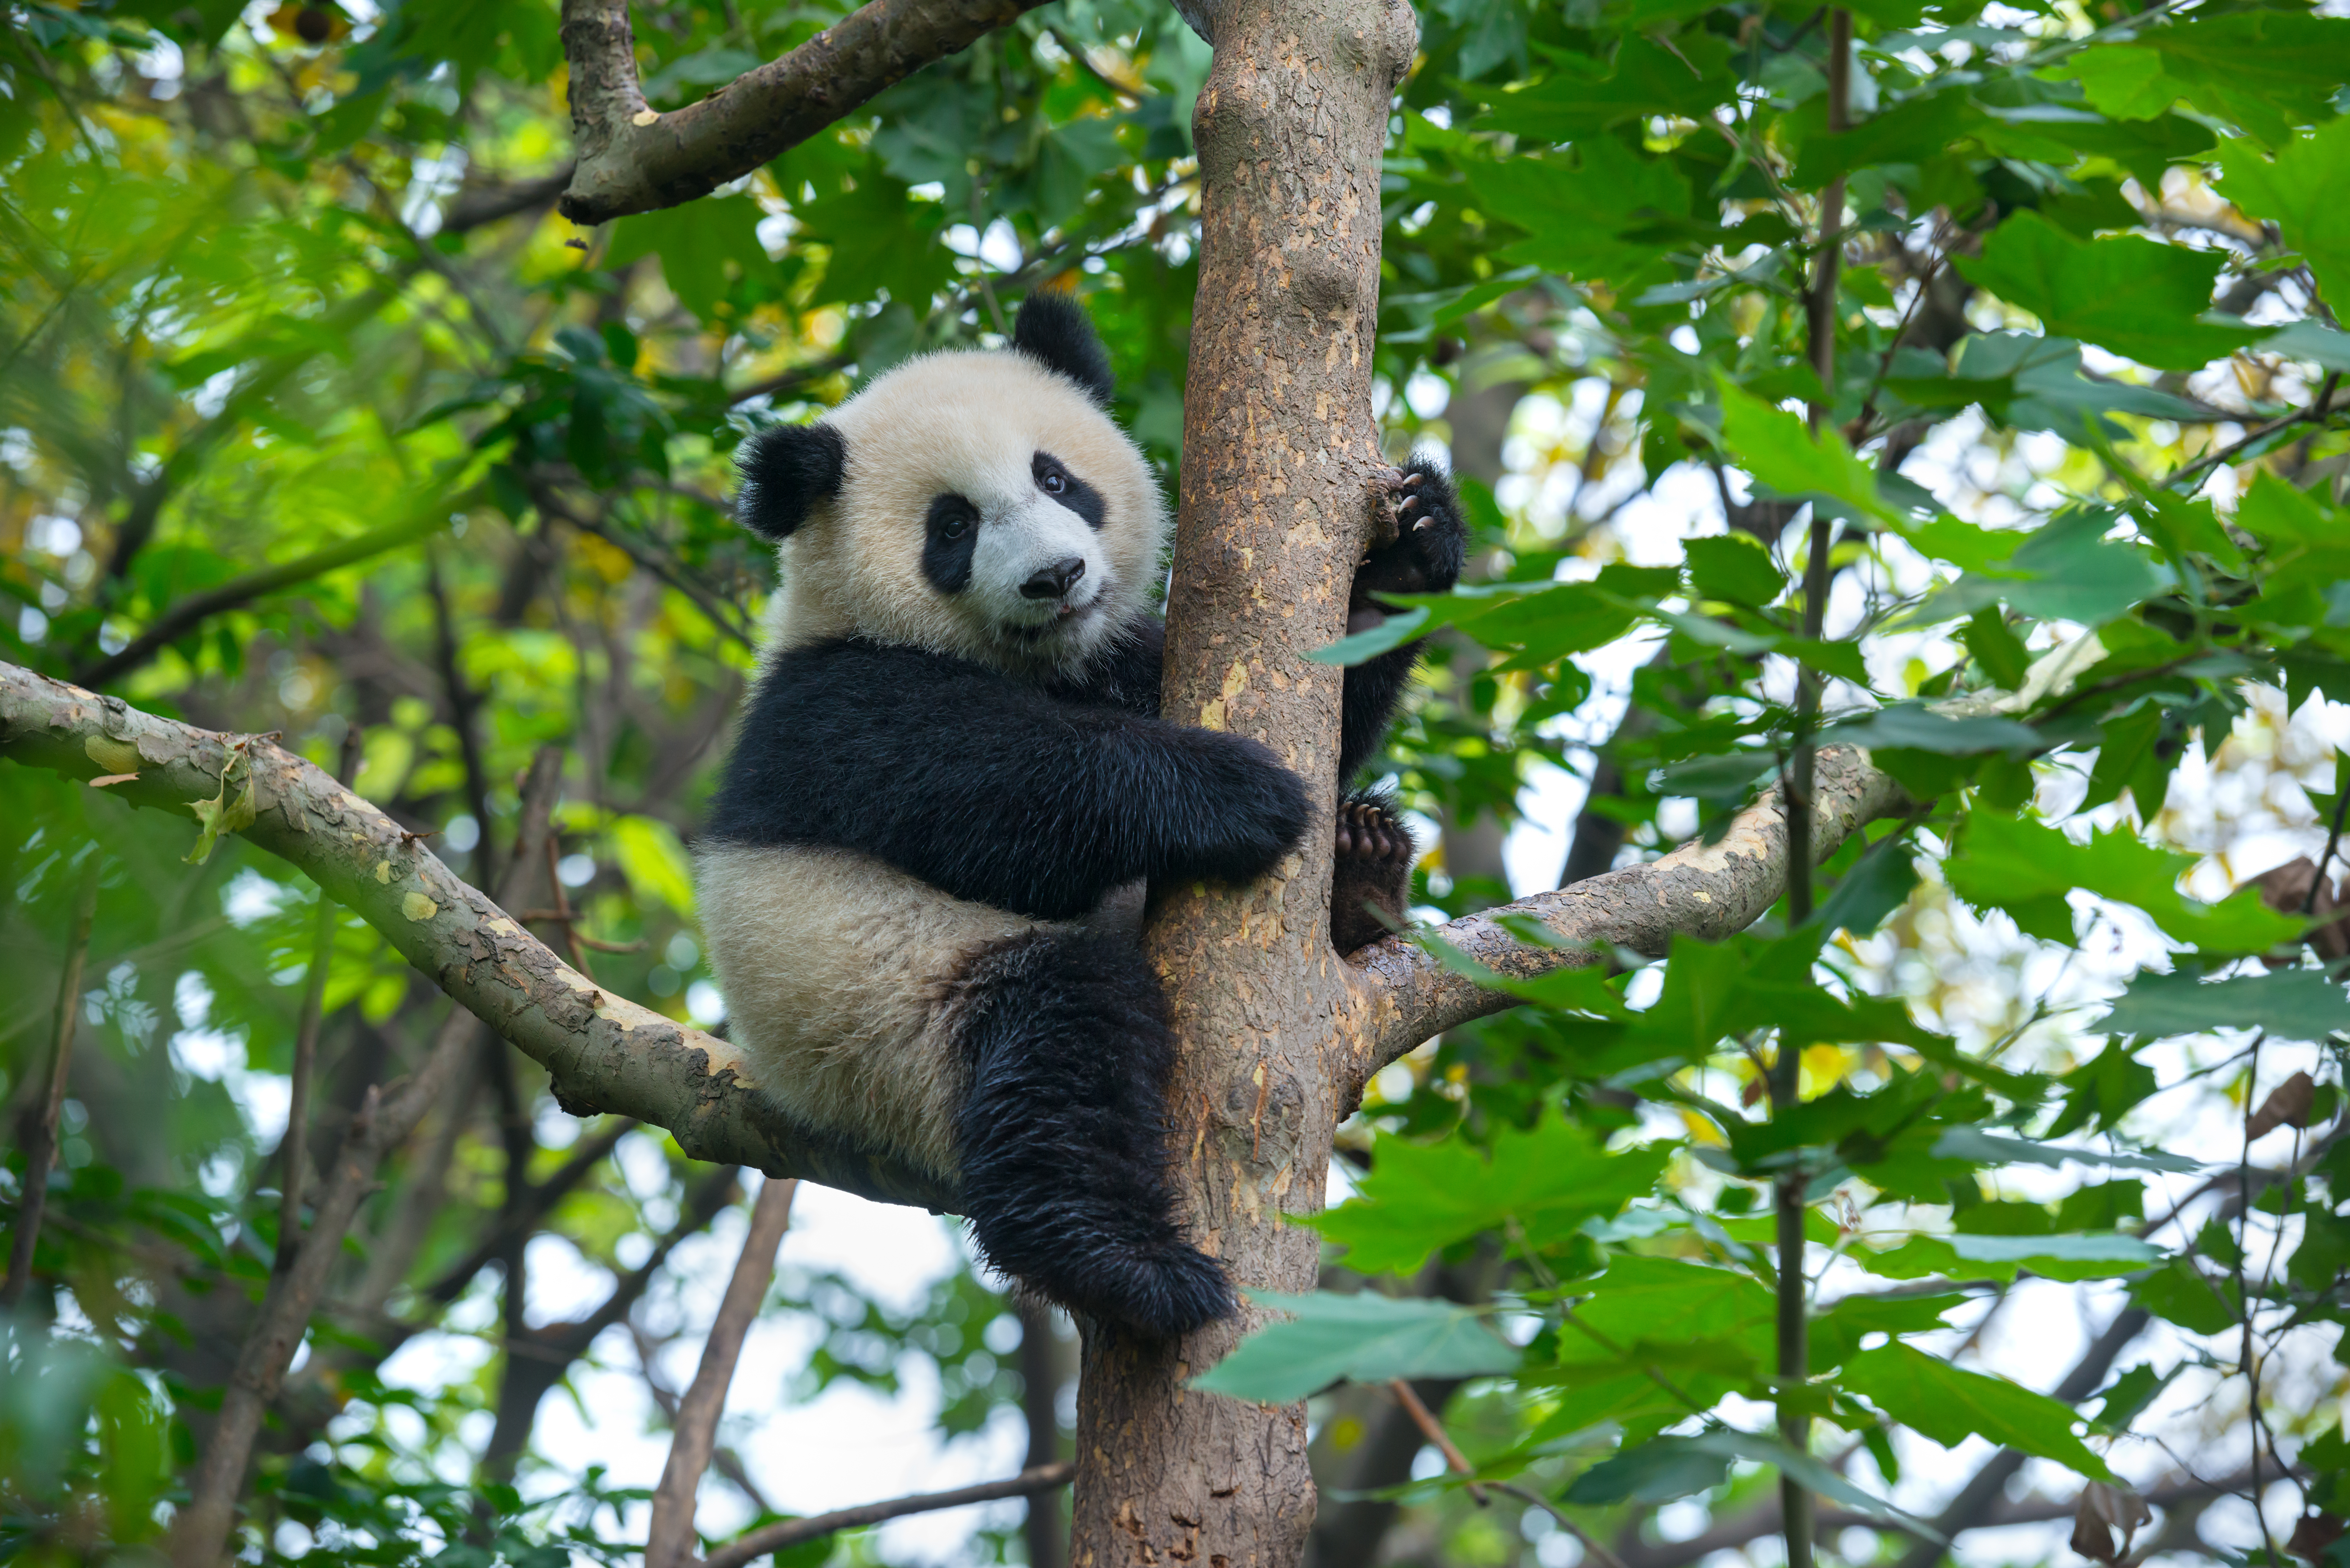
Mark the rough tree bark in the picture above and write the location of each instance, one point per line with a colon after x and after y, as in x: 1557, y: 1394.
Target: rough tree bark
x: 1280, y: 451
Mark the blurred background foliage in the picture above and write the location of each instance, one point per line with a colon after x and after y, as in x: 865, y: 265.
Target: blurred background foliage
x: 315, y: 419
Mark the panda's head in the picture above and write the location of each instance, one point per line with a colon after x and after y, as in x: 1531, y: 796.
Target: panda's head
x: 977, y: 503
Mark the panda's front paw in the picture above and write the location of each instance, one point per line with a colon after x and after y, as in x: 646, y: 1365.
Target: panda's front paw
x: 1431, y: 541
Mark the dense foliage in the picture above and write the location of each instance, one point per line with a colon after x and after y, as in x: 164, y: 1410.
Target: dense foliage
x: 313, y: 419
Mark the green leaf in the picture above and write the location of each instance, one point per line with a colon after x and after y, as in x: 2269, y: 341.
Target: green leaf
x: 1913, y: 132
x: 2182, y: 1294
x: 2136, y: 297
x: 1421, y: 1198
x: 1577, y: 215
x: 2123, y: 81
x: 1735, y: 568
x: 1654, y: 1310
x: 1776, y: 447
x: 2128, y: 1396
x: 1979, y: 1148
x: 1836, y: 1333
x: 1948, y: 1404
x: 1669, y: 1467
x: 1913, y: 726
x: 2306, y: 189
x: 1878, y: 883
x: 1392, y: 633
x: 2106, y: 1247
x: 1583, y: 97
x: 2290, y: 1004
x: 2271, y: 71
x: 695, y: 244
x: 2105, y: 1090
x: 2026, y: 868
x: 1362, y: 1338
x: 1997, y: 649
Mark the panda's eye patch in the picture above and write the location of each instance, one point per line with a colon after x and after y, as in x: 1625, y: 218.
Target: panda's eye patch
x: 1053, y: 478
x: 949, y: 536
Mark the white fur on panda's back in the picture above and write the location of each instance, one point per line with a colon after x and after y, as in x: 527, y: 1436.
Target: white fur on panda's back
x: 841, y: 975
x: 958, y: 420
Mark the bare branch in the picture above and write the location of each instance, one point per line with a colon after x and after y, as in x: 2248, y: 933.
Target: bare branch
x: 1700, y: 889
x: 39, y: 1137
x: 604, y: 1053
x: 476, y: 205
x: 792, y: 1532
x: 199, y: 1530
x: 668, y: 1542
x: 722, y: 1460
x: 633, y: 160
x: 185, y: 614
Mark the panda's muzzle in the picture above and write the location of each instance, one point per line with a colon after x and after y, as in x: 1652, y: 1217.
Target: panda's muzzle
x: 1054, y: 581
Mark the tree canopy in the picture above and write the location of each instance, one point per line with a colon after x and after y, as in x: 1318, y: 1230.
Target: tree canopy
x: 1923, y: 415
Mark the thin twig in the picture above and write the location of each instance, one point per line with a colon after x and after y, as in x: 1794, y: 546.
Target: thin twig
x: 563, y: 916
x: 39, y: 1138
x: 1785, y: 1082
x: 1591, y: 1543
x: 2251, y: 1363
x: 2332, y: 839
x: 792, y: 1532
x: 2319, y: 408
x: 668, y: 1541
x: 568, y: 919
x: 1433, y: 1431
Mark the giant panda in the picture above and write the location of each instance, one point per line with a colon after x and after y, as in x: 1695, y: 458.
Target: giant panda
x: 923, y: 872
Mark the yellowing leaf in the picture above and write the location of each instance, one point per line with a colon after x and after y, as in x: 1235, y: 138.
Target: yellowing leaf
x: 654, y: 862
x: 231, y: 811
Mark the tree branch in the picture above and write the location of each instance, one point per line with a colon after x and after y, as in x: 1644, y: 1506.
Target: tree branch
x: 668, y: 1541
x: 199, y: 1530
x: 604, y: 1053
x: 792, y: 1532
x: 38, y: 1137
x: 1700, y: 889
x: 633, y: 159
x: 188, y: 613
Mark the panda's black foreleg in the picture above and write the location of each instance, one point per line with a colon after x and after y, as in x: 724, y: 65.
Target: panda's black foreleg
x: 1063, y: 1133
x: 1425, y: 557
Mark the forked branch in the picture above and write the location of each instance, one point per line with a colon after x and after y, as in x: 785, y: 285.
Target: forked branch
x: 634, y: 160
x: 1709, y: 890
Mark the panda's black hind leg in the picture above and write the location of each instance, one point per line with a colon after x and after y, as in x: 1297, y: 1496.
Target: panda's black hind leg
x: 1370, y: 875
x: 1063, y: 1133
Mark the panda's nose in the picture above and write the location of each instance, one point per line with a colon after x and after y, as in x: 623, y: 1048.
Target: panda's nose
x: 1054, y: 581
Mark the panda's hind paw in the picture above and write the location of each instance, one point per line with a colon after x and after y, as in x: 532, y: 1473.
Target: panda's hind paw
x: 1372, y: 867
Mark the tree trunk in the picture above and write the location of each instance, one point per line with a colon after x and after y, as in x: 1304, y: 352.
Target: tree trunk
x: 1279, y: 457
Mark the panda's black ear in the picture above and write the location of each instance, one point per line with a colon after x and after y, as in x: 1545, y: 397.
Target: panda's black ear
x: 1055, y: 331
x: 786, y: 471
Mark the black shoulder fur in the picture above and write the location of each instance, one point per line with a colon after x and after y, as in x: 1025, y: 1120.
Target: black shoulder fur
x: 995, y: 789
